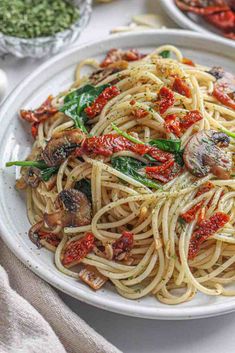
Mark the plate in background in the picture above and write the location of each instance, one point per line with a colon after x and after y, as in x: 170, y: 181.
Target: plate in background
x: 50, y: 78
x: 192, y: 21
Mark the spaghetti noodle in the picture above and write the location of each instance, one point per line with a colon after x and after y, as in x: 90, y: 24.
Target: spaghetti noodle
x: 132, y: 176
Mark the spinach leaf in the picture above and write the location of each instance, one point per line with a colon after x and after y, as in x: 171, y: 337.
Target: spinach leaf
x: 130, y: 166
x: 179, y: 158
x: 165, y: 54
x: 84, y: 185
x: 76, y: 101
x: 46, y: 172
x: 167, y: 145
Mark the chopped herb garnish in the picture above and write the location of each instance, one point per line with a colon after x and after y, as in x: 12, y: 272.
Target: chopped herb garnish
x: 36, y: 18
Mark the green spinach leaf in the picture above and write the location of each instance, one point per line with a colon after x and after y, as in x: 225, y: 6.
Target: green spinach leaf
x: 76, y: 101
x: 131, y: 166
x: 167, y: 145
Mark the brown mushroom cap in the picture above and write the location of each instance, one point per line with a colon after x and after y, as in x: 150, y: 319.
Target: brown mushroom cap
x: 102, y: 73
x: 203, y: 154
x: 61, y: 146
x: 74, y: 209
x: 33, y: 233
x: 31, y: 176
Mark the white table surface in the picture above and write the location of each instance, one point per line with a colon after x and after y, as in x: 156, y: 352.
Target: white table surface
x: 131, y: 335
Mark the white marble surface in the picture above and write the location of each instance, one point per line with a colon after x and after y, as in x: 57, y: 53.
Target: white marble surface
x: 133, y: 335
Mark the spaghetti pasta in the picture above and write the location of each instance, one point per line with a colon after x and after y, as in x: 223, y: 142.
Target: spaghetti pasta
x: 153, y: 154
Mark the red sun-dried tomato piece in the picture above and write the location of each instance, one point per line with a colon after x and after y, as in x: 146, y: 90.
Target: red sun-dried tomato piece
x: 189, y: 119
x: 165, y: 172
x: 76, y: 250
x: 224, y: 20
x: 172, y: 124
x: 190, y: 215
x: 115, y: 55
x: 166, y: 99
x: 139, y: 113
x: 204, y: 188
x: 106, y: 145
x: 45, y: 111
x: 97, y: 106
x: 222, y: 94
x: 181, y: 87
x: 42, y: 113
x: 123, y: 244
x: 206, y: 229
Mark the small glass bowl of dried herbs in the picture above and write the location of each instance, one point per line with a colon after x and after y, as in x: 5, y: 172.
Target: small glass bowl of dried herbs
x: 35, y: 28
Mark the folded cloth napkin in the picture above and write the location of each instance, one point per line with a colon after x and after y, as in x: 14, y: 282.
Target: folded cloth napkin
x: 33, y: 319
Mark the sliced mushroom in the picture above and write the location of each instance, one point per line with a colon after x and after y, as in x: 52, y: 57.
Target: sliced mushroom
x: 61, y: 146
x: 217, y: 72
x: 74, y: 209
x: 32, y: 176
x: 101, y: 74
x: 91, y: 276
x: 203, y: 154
x: 33, y: 233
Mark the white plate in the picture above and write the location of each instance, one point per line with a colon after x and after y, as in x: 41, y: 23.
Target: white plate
x: 51, y: 78
x: 192, y: 21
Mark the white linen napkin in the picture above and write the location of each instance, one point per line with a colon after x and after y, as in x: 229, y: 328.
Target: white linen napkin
x: 33, y: 319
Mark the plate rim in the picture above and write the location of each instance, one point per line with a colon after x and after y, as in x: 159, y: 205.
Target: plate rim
x: 22, y: 254
x: 181, y: 19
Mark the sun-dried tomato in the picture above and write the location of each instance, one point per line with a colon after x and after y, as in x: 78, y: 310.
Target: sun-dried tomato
x: 223, y: 96
x: 97, y: 106
x: 50, y: 238
x: 123, y: 244
x: 204, y: 188
x: 78, y: 249
x: 106, y: 145
x: 187, y: 61
x: 190, y: 215
x: 224, y: 20
x: 34, y: 129
x: 165, y: 172
x: 166, y: 99
x: 205, y: 7
x: 230, y: 35
x: 189, y: 119
x: 45, y: 111
x: 139, y: 113
x: 115, y: 55
x: 181, y: 87
x: 206, y: 229
x: 172, y: 124
x: 178, y: 126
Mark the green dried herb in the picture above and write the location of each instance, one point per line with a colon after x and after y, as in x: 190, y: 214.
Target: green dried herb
x: 36, y: 18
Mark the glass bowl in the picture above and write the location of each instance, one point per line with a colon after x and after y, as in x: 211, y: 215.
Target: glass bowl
x: 42, y: 46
